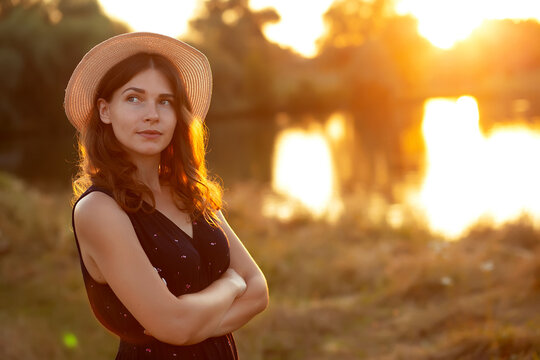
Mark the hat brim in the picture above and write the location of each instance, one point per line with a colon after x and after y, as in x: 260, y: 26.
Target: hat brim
x: 192, y: 65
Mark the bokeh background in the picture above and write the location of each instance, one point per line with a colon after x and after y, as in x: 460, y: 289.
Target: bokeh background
x: 379, y: 159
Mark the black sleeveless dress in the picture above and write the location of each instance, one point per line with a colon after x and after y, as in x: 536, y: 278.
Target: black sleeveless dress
x: 186, y: 265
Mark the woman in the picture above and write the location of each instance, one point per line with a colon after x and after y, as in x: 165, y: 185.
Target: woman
x: 162, y: 268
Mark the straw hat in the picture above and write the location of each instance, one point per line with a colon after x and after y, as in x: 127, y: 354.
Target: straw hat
x: 192, y: 65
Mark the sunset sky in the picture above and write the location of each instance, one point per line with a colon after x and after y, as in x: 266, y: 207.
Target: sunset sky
x: 441, y: 21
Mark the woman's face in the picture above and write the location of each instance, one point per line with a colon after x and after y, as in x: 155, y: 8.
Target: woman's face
x: 141, y: 113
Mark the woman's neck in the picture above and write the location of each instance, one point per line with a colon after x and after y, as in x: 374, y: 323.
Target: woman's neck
x: 148, y: 172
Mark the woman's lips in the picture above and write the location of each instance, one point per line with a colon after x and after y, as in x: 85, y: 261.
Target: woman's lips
x: 149, y: 134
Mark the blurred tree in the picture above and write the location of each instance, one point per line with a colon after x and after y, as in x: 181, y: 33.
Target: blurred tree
x: 351, y: 22
x: 410, y: 53
x: 354, y: 51
x: 40, y: 44
x: 366, y: 42
x: 244, y: 63
x: 376, y: 58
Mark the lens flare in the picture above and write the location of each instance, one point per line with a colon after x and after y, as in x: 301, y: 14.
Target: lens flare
x: 70, y: 340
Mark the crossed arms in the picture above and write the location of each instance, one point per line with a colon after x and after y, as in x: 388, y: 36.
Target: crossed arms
x: 107, y: 240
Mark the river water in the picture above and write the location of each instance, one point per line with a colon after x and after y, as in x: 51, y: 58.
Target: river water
x: 380, y: 149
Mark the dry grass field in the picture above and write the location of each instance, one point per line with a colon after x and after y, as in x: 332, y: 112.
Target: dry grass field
x: 356, y: 289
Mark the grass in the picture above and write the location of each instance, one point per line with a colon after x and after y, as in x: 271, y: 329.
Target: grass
x: 357, y: 289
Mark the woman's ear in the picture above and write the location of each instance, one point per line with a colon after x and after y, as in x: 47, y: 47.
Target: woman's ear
x: 103, y: 108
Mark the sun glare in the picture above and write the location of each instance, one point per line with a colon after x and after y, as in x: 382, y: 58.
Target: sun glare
x: 445, y: 22
x: 160, y: 16
x: 304, y: 174
x: 442, y: 22
x: 300, y: 26
x: 303, y: 167
x: 472, y: 177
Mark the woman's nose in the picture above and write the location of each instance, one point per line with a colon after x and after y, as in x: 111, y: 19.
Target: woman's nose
x: 151, y: 112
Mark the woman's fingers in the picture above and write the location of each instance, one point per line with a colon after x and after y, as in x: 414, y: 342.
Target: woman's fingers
x: 236, y: 279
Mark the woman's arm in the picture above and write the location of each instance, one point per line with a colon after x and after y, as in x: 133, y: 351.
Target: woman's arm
x: 255, y: 299
x: 106, y: 235
x: 199, y: 301
x: 244, y: 308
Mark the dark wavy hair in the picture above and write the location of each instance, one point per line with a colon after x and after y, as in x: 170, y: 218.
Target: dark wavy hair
x: 103, y: 162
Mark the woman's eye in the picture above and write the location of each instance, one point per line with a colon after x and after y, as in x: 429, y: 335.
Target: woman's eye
x: 133, y: 99
x: 166, y: 102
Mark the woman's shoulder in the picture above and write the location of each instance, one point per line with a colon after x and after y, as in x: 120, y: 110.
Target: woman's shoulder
x: 97, y: 207
x: 94, y: 199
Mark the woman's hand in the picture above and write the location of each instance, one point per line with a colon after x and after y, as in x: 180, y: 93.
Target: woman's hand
x: 236, y: 280
x: 255, y: 298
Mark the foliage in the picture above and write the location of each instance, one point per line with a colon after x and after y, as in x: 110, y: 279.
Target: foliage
x: 376, y: 54
x: 40, y: 45
x: 369, y: 57
x: 243, y: 61
x: 351, y: 22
